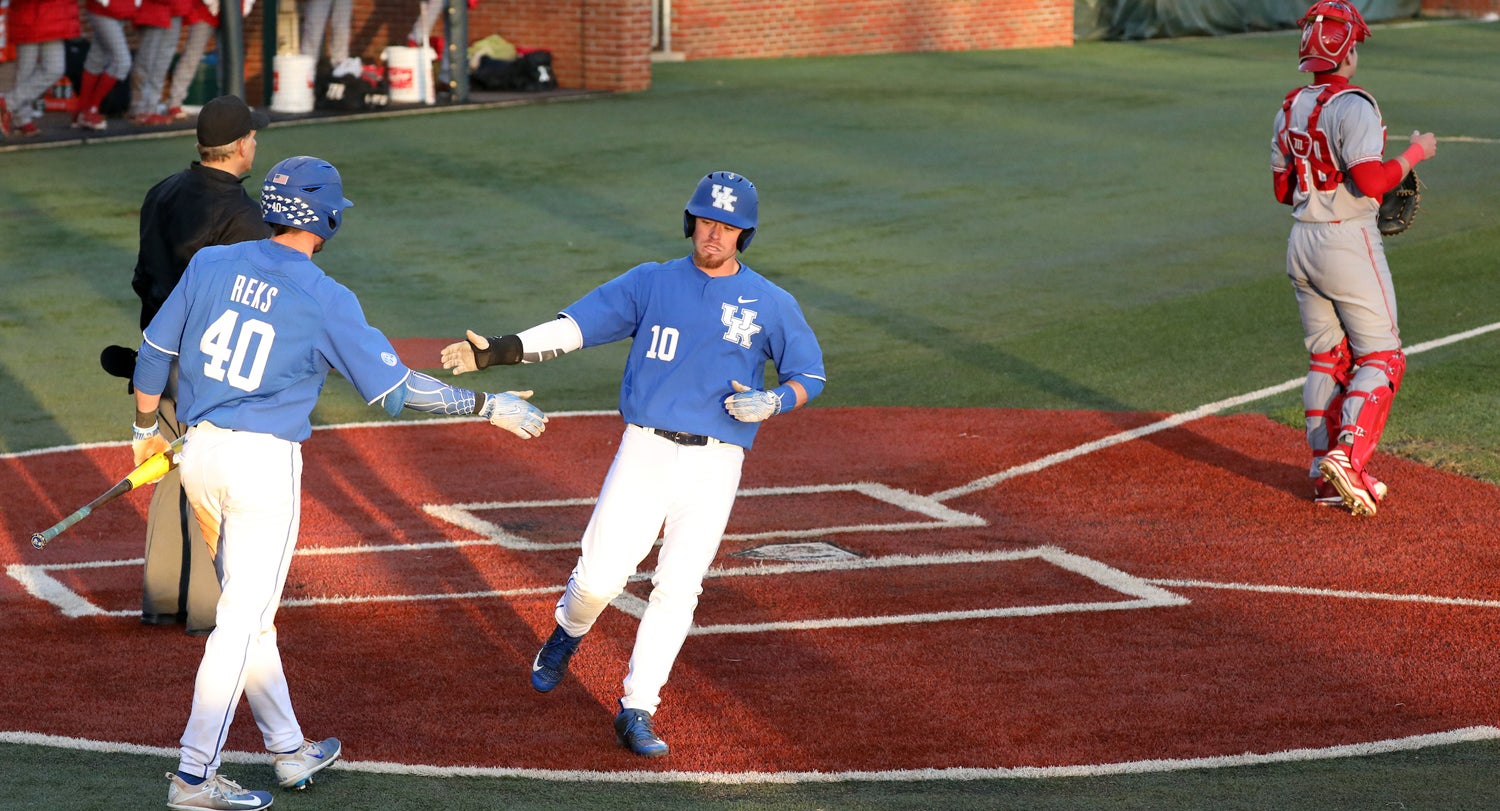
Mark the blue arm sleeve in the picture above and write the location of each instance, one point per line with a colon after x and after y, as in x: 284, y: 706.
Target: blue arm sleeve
x: 813, y: 385
x: 152, y: 366
x: 425, y: 393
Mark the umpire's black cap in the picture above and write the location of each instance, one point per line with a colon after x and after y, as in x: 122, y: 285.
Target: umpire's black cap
x: 227, y: 119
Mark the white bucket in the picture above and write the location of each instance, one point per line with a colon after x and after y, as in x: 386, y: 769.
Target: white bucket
x: 292, y: 88
x: 410, y: 79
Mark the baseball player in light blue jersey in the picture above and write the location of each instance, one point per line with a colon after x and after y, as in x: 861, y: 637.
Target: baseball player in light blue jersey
x: 255, y: 328
x: 702, y: 329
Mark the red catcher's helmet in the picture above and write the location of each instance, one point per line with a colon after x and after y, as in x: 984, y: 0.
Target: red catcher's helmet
x: 1329, y: 30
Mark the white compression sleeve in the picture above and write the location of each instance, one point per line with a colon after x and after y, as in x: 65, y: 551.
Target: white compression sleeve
x: 547, y: 341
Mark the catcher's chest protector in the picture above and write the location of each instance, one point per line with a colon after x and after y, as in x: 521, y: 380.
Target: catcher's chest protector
x: 1307, y: 147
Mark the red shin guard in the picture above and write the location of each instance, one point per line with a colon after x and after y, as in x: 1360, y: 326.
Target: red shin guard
x: 1338, y: 364
x: 1364, y: 434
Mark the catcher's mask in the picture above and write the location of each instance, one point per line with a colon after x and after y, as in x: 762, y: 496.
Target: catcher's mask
x: 305, y: 193
x: 724, y: 197
x: 1329, y: 31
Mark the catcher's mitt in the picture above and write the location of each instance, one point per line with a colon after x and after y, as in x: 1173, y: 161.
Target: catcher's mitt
x: 1399, y: 206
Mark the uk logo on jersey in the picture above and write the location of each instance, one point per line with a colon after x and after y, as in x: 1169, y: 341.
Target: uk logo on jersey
x: 741, y: 323
x: 724, y: 197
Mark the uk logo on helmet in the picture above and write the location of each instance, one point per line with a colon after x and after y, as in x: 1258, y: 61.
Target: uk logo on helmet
x: 724, y: 197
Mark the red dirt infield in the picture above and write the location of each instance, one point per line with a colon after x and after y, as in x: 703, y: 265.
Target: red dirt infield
x: 1174, y: 596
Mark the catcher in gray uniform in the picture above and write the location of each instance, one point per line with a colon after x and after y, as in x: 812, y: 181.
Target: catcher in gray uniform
x: 1326, y: 163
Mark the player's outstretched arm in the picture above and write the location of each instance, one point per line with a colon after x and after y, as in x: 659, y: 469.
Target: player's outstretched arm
x: 478, y: 352
x: 542, y: 342
x: 425, y: 393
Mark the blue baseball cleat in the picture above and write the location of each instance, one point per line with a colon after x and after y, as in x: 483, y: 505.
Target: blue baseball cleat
x: 551, y: 662
x: 634, y: 732
x: 295, y: 769
x: 217, y: 792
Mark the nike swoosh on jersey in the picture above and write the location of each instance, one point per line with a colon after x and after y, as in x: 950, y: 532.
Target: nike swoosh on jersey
x: 744, y: 300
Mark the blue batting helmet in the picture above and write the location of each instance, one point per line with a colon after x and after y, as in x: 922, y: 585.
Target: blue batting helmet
x: 305, y: 193
x: 724, y: 197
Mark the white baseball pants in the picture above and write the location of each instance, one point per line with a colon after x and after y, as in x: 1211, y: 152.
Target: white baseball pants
x: 337, y: 17
x: 654, y: 486
x: 38, y: 66
x: 109, y: 51
x: 246, y: 489
x: 1343, y: 287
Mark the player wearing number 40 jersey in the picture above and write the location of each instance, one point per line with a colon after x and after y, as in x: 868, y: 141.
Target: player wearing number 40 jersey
x: 256, y: 327
x: 703, y: 328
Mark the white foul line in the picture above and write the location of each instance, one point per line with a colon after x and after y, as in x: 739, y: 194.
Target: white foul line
x: 1407, y: 744
x: 1317, y: 592
x: 1174, y: 421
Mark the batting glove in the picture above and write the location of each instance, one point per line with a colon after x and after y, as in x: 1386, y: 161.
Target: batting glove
x: 146, y: 443
x: 511, y: 412
x: 751, y: 405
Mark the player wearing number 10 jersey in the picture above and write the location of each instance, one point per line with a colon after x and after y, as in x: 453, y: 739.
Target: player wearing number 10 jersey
x: 702, y: 329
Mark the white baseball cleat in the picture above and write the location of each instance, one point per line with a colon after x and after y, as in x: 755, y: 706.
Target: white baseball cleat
x: 217, y: 792
x: 1350, y: 483
x: 295, y: 769
x: 1326, y: 495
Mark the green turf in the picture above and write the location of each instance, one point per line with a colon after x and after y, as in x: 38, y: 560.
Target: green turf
x: 1086, y: 228
x: 1079, y: 228
x: 1452, y: 778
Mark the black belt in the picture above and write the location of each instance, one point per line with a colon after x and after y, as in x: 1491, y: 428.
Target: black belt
x: 680, y: 437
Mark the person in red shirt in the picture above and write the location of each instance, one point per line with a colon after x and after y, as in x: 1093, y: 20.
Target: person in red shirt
x: 159, y: 24
x: 108, y: 61
x: 38, y: 27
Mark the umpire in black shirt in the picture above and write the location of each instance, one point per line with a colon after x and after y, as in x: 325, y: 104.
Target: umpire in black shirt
x: 201, y: 205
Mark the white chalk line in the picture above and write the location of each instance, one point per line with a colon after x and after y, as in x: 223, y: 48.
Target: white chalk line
x: 1466, y: 734
x: 1174, y: 421
x: 1308, y: 591
x: 1392, y: 745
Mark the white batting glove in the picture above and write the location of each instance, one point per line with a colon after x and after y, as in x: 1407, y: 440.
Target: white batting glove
x: 146, y: 443
x: 460, y: 356
x: 511, y: 412
x: 751, y: 405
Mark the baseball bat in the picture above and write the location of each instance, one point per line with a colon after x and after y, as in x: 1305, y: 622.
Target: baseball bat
x: 150, y: 470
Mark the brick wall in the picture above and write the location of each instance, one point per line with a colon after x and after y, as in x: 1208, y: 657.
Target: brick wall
x: 595, y: 44
x: 707, y: 29
x: 1460, y: 8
